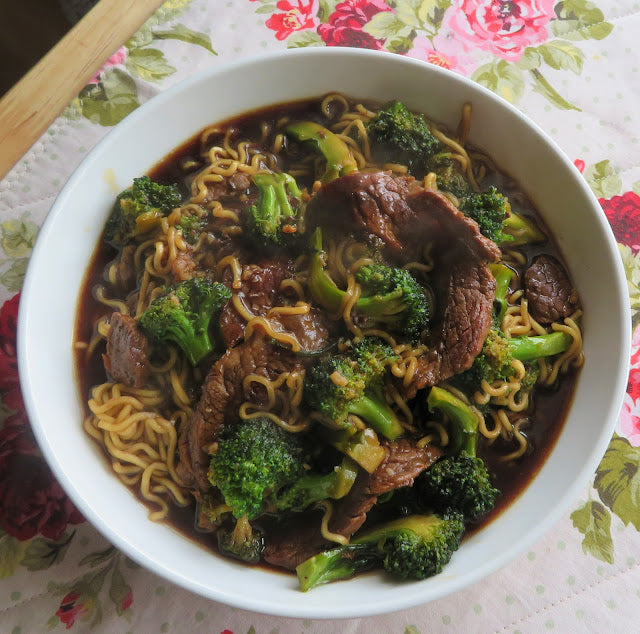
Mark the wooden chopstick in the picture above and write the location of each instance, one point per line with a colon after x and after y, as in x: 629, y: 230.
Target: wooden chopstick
x: 28, y: 109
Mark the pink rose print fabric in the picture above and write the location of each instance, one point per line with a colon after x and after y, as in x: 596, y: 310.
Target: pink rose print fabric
x: 502, y: 28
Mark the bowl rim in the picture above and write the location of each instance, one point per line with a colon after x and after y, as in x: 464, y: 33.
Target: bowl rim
x: 412, y: 595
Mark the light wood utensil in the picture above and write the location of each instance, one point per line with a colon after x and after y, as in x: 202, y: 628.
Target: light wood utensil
x: 28, y: 109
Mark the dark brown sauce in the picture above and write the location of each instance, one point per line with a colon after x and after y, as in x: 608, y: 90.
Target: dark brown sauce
x: 511, y: 478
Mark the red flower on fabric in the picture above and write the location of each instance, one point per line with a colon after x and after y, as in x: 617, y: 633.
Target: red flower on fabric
x: 580, y: 165
x: 502, y: 27
x: 623, y: 213
x: 344, y: 27
x: 295, y: 18
x: 31, y: 501
x: 629, y: 421
x: 127, y: 601
x: 70, y: 609
x: 9, y: 382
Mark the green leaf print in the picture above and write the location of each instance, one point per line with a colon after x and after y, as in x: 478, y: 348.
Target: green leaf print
x: 503, y: 78
x: 580, y: 20
x: 149, y: 64
x: 594, y: 522
x: 542, y: 86
x: 13, y: 277
x: 267, y: 8
x: 101, y: 557
x: 530, y: 59
x: 562, y: 55
x: 43, y: 553
x: 112, y: 99
x: 618, y: 480
x: 304, y: 38
x: 407, y: 12
x: 185, y: 34
x: 432, y: 12
x: 11, y: 553
x: 17, y: 237
x: 603, y: 179
x: 325, y: 9
x: 119, y: 590
x: 386, y: 24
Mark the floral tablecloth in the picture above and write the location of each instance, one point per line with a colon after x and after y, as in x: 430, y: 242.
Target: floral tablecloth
x: 571, y: 65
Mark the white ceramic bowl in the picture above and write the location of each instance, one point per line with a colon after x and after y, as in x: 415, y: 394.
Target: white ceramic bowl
x: 72, y: 229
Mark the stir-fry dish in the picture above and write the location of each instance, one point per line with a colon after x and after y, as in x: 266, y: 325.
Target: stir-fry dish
x: 332, y: 334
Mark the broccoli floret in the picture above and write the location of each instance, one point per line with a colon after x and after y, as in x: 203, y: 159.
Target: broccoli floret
x: 394, y: 297
x: 495, y: 361
x: 192, y: 226
x: 255, y: 459
x: 137, y: 210
x: 314, y: 487
x: 399, y: 136
x: 352, y: 383
x: 489, y: 209
x: 412, y: 547
x: 272, y: 221
x: 497, y: 221
x: 449, y: 178
x: 242, y: 542
x: 183, y: 314
x: 391, y: 296
x: 459, y: 483
x: 338, y: 156
x: 463, y: 421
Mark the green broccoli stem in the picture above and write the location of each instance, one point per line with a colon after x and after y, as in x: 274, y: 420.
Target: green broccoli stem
x: 502, y: 274
x: 521, y: 229
x: 378, y: 415
x: 338, y: 563
x: 463, y: 431
x: 198, y: 347
x: 538, y: 346
x: 323, y: 288
x: 339, y: 159
x: 362, y: 446
x: 382, y: 307
x: 315, y: 487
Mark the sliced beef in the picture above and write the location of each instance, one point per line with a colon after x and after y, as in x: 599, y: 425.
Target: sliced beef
x: 125, y: 271
x: 183, y: 267
x: 461, y: 325
x: 400, y: 212
x: 260, y: 285
x: 260, y: 291
x: 228, y: 186
x: 126, y: 358
x: 404, y: 462
x: 302, y: 538
x: 549, y: 292
x: 222, y: 394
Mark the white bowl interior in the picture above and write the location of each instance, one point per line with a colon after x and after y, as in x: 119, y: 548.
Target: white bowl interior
x: 71, y: 231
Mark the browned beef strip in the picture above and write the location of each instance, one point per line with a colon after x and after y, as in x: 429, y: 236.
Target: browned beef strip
x: 302, y: 539
x: 228, y: 186
x: 125, y: 271
x: 461, y: 326
x: 183, y: 266
x: 404, y: 462
x: 548, y: 290
x: 126, y: 358
x: 222, y: 394
x: 400, y: 212
x: 260, y: 291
